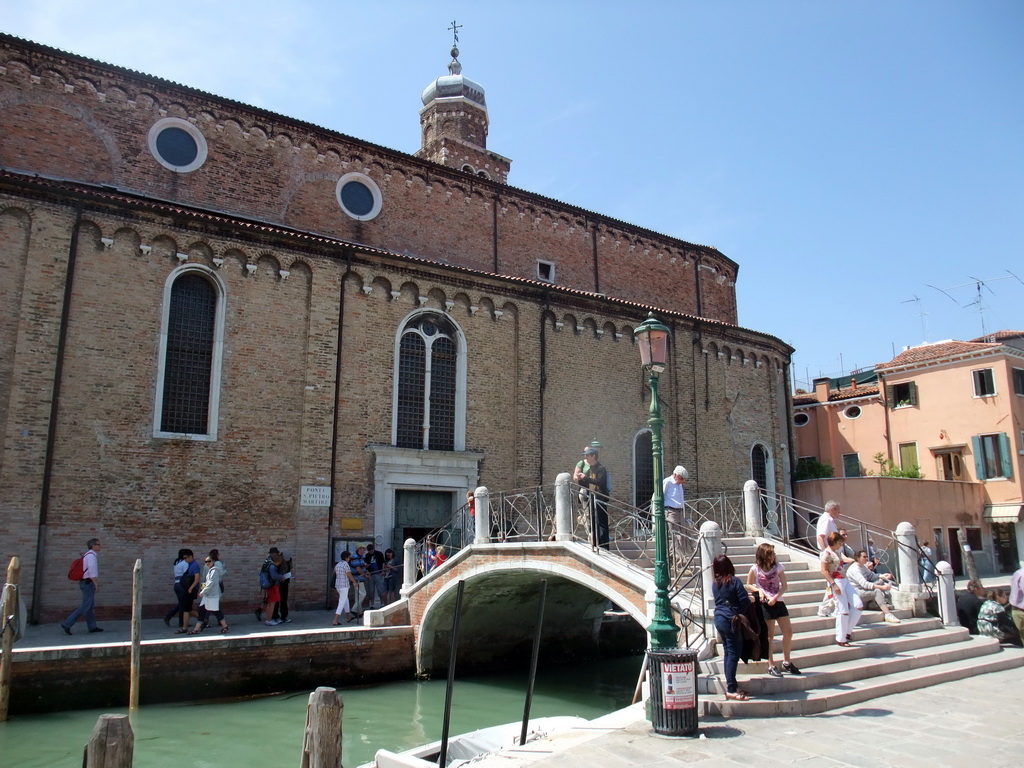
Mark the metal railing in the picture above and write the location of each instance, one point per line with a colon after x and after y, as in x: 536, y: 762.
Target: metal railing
x: 528, y: 514
x: 724, y: 508
x: 795, y: 523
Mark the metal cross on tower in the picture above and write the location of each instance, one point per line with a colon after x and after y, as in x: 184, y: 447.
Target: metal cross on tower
x: 454, y: 29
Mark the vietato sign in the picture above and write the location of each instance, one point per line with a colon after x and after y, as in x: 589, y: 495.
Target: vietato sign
x: 678, y: 685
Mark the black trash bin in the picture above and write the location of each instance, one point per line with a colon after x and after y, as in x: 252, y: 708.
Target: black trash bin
x: 672, y: 673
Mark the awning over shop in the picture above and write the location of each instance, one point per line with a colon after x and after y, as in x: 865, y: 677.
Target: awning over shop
x: 1003, y: 513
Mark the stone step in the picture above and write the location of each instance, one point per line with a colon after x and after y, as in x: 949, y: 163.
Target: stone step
x: 866, y: 645
x: 808, y: 594
x: 740, y: 542
x: 913, y: 671
x: 813, y: 631
x: 748, y: 558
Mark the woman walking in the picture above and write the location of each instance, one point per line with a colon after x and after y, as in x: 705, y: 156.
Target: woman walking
x: 343, y: 579
x: 180, y: 569
x: 768, y: 577
x: 215, y: 557
x: 731, y: 600
x: 848, y: 603
x: 209, y: 598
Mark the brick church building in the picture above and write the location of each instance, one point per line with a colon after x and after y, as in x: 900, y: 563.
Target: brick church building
x: 222, y: 327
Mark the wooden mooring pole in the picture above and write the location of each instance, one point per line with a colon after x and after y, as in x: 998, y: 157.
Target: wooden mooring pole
x: 321, y: 745
x: 111, y: 744
x: 133, y: 685
x: 7, y: 634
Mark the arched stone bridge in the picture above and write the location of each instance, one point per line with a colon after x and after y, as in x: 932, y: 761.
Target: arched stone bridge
x: 500, y: 600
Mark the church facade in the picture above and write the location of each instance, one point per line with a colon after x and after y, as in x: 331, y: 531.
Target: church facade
x: 222, y: 327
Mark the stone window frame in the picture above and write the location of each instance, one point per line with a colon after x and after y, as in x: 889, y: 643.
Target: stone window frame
x: 378, y: 198
x: 806, y: 419
x: 216, y: 361
x: 848, y: 415
x: 460, y: 376
x: 176, y: 122
x: 984, y: 381
x: 851, y: 460
x: 550, y: 265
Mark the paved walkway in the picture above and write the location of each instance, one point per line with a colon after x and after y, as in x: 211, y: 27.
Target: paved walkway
x: 972, y: 722
x: 51, y: 635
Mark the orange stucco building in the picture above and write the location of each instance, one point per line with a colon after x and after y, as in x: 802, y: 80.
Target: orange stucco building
x: 955, y: 409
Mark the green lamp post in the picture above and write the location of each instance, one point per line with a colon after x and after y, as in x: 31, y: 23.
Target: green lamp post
x: 652, y: 338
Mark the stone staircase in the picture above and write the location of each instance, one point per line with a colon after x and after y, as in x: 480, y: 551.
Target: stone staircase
x: 885, y: 658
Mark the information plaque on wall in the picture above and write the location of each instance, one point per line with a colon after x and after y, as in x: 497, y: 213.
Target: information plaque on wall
x: 315, y: 496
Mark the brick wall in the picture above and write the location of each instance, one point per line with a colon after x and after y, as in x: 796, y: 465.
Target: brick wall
x: 309, y: 336
x: 72, y: 118
x: 80, y: 678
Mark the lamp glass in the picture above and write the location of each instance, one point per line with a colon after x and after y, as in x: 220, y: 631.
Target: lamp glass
x: 652, y: 338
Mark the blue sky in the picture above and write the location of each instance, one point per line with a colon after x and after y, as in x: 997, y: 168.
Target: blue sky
x: 849, y: 155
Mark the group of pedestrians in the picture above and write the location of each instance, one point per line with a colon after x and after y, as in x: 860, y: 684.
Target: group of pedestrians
x: 762, y: 592
x: 365, y: 578
x: 275, y: 580
x: 851, y: 582
x: 195, y: 582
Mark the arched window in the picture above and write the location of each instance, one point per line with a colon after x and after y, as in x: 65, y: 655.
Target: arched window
x: 430, y: 391
x: 643, y: 469
x: 191, y: 342
x: 762, y: 471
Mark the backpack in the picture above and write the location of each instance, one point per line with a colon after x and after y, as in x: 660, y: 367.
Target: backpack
x: 77, y: 570
x: 265, y: 581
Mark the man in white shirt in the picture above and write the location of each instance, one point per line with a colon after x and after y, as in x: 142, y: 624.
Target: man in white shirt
x: 89, y: 584
x: 827, y: 523
x: 675, y: 510
x: 872, y: 587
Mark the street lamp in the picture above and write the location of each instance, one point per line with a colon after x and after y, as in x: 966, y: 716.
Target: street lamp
x: 652, y: 338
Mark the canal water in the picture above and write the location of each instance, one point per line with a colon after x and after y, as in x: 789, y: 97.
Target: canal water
x: 268, y: 731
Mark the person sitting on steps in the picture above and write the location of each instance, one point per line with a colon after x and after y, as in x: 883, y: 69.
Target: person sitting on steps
x: 872, y: 587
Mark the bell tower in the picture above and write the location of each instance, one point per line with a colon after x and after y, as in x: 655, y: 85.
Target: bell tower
x: 454, y: 124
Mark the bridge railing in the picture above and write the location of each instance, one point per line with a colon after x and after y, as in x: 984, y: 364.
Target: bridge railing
x: 454, y: 535
x: 528, y: 514
x: 724, y: 508
x: 795, y: 523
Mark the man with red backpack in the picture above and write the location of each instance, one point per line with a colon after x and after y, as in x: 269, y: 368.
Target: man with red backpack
x: 89, y: 583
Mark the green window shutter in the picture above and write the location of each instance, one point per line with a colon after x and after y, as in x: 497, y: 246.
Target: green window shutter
x: 1006, y: 455
x: 890, y: 396
x: 979, y: 463
x: 912, y: 386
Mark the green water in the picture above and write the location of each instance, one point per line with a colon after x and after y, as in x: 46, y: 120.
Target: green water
x: 268, y: 731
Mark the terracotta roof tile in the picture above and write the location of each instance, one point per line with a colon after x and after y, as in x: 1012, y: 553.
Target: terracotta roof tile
x: 850, y: 392
x: 999, y: 336
x: 929, y: 352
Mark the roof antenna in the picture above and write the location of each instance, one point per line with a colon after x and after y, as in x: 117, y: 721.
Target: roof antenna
x: 923, y: 314
x: 978, y: 284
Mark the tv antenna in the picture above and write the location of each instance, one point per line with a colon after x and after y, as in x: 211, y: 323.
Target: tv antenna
x: 980, y: 286
x: 921, y: 311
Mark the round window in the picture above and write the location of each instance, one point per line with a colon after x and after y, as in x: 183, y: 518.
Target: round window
x: 852, y: 412
x: 359, y: 196
x: 801, y: 419
x: 177, y: 144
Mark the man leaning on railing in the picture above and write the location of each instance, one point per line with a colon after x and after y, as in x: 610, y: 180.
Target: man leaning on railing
x: 675, y: 509
x: 594, y: 478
